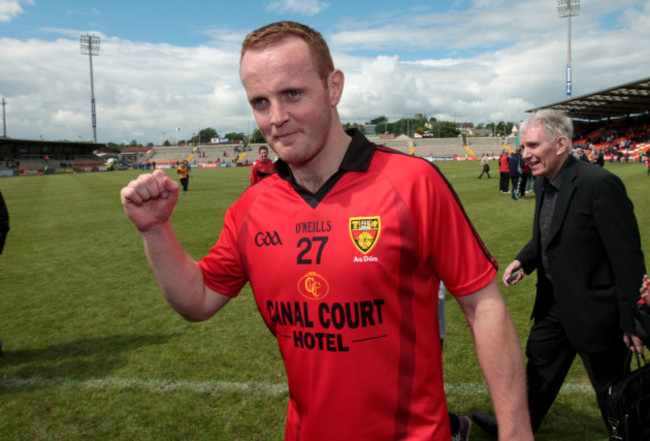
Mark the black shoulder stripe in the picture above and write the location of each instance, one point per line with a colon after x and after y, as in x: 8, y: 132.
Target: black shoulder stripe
x: 477, y: 237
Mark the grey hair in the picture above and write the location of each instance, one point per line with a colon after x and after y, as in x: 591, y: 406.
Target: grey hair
x: 554, y: 124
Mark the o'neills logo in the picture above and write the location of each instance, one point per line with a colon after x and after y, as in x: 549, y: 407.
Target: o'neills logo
x: 364, y: 232
x: 313, y: 286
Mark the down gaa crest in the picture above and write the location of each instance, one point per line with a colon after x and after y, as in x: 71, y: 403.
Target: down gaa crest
x: 364, y: 232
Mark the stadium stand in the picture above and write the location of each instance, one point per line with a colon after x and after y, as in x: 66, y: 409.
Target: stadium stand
x: 615, y: 121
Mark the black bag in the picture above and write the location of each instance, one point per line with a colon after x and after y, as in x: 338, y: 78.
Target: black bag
x: 628, y: 403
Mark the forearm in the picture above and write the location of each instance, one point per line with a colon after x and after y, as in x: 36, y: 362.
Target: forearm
x: 527, y: 256
x: 178, y: 275
x: 503, y: 367
x: 500, y: 357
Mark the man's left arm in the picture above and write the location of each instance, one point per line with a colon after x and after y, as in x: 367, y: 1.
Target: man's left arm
x: 619, y: 232
x: 500, y: 356
x: 253, y: 178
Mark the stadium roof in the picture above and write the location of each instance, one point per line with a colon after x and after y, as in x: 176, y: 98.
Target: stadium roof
x: 627, y: 99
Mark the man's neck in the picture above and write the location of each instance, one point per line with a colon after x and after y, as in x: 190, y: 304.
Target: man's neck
x: 314, y: 174
x: 551, y: 177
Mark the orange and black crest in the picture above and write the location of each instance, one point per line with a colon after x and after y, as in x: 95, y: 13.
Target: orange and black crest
x: 364, y: 232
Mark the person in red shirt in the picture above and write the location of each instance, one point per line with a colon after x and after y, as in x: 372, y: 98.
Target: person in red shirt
x: 344, y: 249
x: 263, y: 167
x: 504, y: 172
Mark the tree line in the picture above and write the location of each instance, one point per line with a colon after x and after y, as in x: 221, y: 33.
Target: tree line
x: 429, y: 126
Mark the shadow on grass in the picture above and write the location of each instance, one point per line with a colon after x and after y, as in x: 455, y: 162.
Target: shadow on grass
x: 566, y: 422
x: 79, y: 359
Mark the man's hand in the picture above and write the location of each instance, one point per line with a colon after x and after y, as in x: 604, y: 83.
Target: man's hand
x: 513, y: 273
x: 149, y: 200
x: 633, y: 342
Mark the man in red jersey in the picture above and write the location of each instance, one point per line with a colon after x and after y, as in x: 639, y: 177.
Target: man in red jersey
x: 263, y: 167
x: 504, y: 172
x: 344, y: 248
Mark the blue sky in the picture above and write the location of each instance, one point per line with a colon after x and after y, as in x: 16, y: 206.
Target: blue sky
x: 169, y: 65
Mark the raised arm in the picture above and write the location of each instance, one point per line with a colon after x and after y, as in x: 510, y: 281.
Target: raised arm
x: 500, y: 357
x: 149, y: 202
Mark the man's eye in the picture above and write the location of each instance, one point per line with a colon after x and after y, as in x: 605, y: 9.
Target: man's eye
x: 293, y: 94
x: 259, y: 103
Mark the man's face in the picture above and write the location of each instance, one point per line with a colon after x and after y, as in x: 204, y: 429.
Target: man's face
x: 264, y: 154
x: 544, y: 157
x: 292, y: 106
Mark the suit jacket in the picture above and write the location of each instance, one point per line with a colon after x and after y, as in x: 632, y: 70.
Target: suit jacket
x: 595, y: 257
x: 515, y: 164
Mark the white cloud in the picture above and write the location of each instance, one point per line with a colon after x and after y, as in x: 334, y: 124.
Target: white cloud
x: 302, y: 7
x: 516, y: 61
x: 10, y: 9
x: 94, y: 12
x: 141, y: 90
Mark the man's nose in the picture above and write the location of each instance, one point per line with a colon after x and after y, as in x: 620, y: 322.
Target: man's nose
x: 278, y: 114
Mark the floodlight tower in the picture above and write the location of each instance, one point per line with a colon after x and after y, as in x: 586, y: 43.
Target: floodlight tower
x: 567, y: 9
x: 90, y: 47
x: 4, y: 118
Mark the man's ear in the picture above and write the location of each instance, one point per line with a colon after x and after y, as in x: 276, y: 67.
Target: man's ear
x: 563, y: 145
x: 335, y: 83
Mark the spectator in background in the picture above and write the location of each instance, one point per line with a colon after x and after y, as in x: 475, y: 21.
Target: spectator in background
x: 184, y: 172
x: 530, y: 180
x: 600, y: 158
x: 523, y: 180
x: 263, y: 167
x: 4, y: 230
x: 485, y: 166
x: 4, y: 222
x: 516, y: 165
x: 579, y: 154
x: 504, y: 172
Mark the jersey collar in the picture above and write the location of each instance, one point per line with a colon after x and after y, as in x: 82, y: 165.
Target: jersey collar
x: 357, y: 158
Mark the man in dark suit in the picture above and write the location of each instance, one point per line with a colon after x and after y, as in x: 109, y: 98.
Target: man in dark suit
x: 586, y: 249
x: 516, y: 164
x: 4, y: 229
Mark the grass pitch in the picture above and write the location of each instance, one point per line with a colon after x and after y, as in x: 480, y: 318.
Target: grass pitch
x: 92, y: 351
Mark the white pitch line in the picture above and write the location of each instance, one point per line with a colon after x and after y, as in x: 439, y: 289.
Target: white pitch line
x: 481, y: 388
x: 259, y: 387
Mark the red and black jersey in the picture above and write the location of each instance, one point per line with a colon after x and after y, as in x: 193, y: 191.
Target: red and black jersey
x: 347, y: 281
x: 261, y: 169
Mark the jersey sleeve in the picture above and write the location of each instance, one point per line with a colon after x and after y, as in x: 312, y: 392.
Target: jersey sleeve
x: 222, y: 268
x: 254, y: 178
x: 454, y: 249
